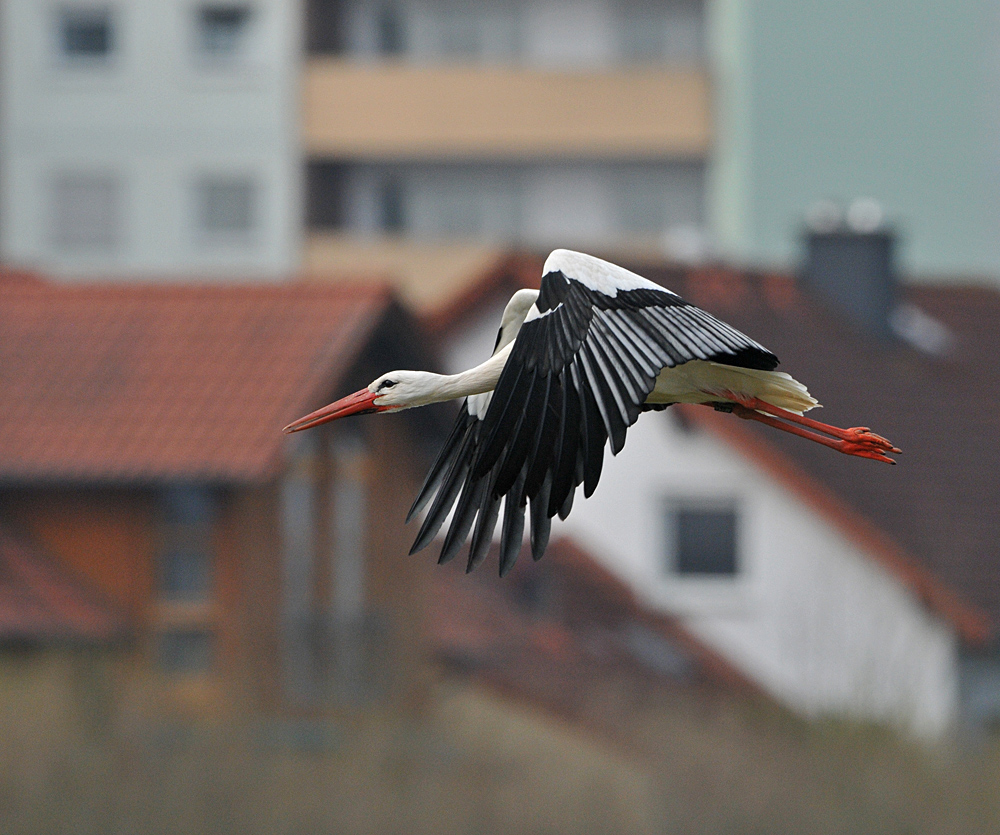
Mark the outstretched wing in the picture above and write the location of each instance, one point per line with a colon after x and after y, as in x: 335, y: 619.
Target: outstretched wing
x: 581, y: 367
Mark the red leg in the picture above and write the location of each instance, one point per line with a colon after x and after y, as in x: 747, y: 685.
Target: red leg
x: 858, y: 440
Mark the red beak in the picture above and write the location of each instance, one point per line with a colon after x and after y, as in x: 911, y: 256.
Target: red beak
x: 360, y: 403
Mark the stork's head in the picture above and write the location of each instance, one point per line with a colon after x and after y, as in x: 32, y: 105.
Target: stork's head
x: 389, y: 393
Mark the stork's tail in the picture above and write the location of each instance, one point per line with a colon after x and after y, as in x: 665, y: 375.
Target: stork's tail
x: 777, y: 388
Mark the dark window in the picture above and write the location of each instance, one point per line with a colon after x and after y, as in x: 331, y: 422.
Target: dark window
x: 86, y: 33
x: 705, y: 541
x: 222, y: 29
x: 186, y: 556
x: 325, y: 27
x: 326, y: 195
x: 389, y: 30
x: 392, y: 215
x: 185, y: 651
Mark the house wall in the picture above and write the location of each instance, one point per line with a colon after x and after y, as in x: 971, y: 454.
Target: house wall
x: 399, y: 582
x: 344, y: 602
x: 250, y: 536
x: 109, y: 538
x: 813, y: 618
x: 104, y: 536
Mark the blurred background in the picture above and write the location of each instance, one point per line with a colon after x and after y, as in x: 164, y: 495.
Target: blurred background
x: 218, y: 216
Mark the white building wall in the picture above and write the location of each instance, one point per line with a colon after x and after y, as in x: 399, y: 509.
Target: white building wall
x: 159, y: 117
x: 816, y: 621
x: 812, y: 618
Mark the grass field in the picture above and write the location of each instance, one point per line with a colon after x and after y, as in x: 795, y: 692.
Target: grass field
x: 477, y: 762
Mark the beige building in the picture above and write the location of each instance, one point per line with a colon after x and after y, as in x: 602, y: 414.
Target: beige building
x: 434, y: 130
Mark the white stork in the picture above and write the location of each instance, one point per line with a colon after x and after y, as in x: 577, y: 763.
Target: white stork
x: 575, y: 364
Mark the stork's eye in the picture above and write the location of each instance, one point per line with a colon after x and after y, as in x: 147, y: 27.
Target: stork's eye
x: 386, y: 384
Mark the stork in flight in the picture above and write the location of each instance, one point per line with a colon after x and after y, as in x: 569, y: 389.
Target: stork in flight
x: 575, y: 364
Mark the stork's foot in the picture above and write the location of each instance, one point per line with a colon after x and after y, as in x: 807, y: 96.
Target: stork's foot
x: 858, y: 440
x: 861, y: 441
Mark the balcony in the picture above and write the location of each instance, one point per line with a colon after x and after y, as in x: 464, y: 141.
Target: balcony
x: 395, y: 112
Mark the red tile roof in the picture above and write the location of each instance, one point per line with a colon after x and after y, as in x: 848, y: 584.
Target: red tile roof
x: 148, y: 382
x: 551, y: 631
x: 41, y: 602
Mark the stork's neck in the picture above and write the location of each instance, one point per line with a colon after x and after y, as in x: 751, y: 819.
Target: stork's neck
x: 474, y: 381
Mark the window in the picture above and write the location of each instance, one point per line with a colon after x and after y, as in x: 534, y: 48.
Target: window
x: 223, y: 30
x: 185, y: 651
x: 300, y: 515
x: 702, y: 541
x: 348, y: 516
x: 186, y: 557
x: 85, y: 32
x: 86, y: 212
x: 463, y: 32
x: 226, y: 207
x: 326, y: 24
x: 661, y: 33
x: 392, y: 215
x: 326, y: 195
x: 388, y: 31
x: 185, y: 641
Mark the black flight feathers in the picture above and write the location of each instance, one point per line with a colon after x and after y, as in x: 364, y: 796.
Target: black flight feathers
x: 577, y: 376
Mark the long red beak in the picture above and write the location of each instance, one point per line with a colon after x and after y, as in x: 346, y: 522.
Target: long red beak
x: 360, y: 403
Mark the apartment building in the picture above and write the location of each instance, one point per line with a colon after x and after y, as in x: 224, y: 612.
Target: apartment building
x: 437, y: 122
x: 150, y: 138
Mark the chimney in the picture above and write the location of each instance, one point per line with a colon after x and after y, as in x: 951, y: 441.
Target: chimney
x: 851, y: 264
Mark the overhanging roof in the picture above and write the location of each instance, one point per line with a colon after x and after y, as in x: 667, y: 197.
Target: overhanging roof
x: 142, y: 383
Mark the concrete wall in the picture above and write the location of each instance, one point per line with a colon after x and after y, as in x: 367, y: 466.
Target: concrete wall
x: 158, y: 117
x: 406, y: 111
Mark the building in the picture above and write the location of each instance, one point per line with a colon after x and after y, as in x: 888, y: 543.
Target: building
x: 196, y: 139
x: 835, y: 102
x: 464, y: 125
x: 150, y: 139
x: 678, y: 128
x: 839, y: 589
x: 143, y: 455
x: 555, y: 633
